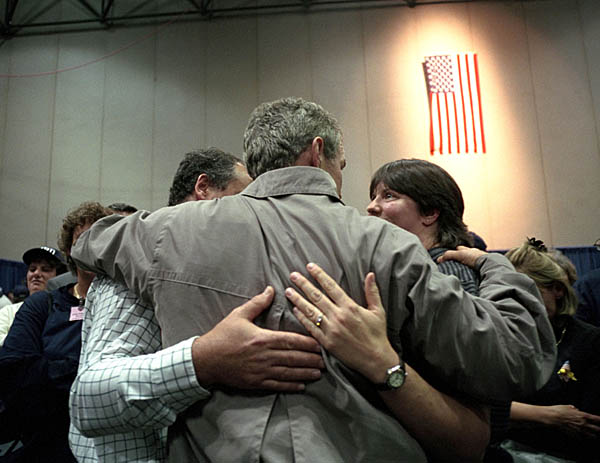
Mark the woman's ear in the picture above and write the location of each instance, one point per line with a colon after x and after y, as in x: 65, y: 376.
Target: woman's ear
x: 430, y: 218
x: 558, y: 290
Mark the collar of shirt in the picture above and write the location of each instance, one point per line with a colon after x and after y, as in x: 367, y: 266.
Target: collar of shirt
x: 436, y: 252
x: 292, y: 180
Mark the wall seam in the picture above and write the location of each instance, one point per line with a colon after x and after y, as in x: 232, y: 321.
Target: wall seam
x: 102, y: 133
x: 485, y: 159
x: 587, y: 67
x: 366, y: 89
x: 5, y: 128
x: 52, y: 127
x: 153, y: 135
x: 310, y: 63
x: 537, y: 123
x: 258, y: 98
x: 205, y: 39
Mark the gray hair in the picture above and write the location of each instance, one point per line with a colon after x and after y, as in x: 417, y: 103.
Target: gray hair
x: 278, y: 132
x: 218, y: 166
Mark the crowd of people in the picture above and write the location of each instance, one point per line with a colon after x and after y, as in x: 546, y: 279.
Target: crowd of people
x: 258, y: 318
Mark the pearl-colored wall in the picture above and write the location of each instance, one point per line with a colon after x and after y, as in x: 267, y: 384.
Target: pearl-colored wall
x: 116, y: 130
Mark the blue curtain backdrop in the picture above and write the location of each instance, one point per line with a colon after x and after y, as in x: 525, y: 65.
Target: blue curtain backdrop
x: 584, y: 258
x: 12, y: 273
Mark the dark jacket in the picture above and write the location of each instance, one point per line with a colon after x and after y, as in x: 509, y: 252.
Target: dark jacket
x: 38, y: 363
x: 579, y: 345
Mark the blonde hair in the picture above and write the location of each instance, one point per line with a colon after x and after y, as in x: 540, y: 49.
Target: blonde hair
x: 566, y: 265
x: 543, y: 268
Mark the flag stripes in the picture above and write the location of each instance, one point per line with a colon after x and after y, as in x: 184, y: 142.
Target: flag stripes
x: 455, y: 120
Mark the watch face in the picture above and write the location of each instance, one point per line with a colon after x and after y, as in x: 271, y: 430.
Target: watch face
x: 396, y: 379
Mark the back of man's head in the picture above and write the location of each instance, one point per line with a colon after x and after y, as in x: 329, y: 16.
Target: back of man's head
x: 122, y: 208
x: 218, y: 165
x: 278, y: 132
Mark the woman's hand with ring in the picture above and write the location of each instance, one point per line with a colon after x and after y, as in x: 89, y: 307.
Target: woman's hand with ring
x: 354, y: 334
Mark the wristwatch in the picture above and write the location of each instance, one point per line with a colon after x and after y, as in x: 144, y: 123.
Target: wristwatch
x: 394, y: 379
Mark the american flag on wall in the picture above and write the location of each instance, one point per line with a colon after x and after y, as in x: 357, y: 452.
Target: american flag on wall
x: 455, y: 119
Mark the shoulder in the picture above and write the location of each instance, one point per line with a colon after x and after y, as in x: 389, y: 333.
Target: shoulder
x: 585, y: 338
x: 10, y: 310
x: 106, y: 293
x: 583, y: 327
x: 196, y: 218
x: 33, y: 311
x: 105, y: 285
x: 589, y: 282
x: 451, y: 267
x: 388, y: 233
x: 467, y: 276
x: 387, y: 246
x: 592, y: 275
x: 36, y: 301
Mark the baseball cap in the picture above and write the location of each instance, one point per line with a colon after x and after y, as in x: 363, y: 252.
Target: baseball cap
x: 43, y: 252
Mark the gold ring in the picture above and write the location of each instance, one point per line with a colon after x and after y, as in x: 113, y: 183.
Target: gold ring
x: 319, y: 321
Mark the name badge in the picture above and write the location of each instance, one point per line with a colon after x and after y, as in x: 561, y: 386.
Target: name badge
x: 77, y: 313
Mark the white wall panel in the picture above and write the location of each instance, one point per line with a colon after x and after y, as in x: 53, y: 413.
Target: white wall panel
x: 589, y: 14
x: 4, y: 69
x: 77, y: 141
x: 180, y: 121
x: 284, y: 57
x: 128, y: 120
x: 566, y: 120
x: 396, y: 95
x: 24, y: 186
x: 338, y: 76
x: 231, y: 86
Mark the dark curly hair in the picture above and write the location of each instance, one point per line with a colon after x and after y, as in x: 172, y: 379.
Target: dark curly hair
x: 122, y: 208
x: 84, y: 214
x: 218, y: 165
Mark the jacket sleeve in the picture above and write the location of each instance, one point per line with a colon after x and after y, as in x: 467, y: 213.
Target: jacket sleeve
x: 498, y: 346
x: 123, y: 248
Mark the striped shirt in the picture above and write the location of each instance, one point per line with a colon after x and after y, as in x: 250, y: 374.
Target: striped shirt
x: 469, y: 279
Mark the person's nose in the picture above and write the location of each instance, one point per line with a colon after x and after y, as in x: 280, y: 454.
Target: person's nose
x: 374, y: 208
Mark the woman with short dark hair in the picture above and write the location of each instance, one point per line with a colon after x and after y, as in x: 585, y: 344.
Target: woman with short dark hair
x: 424, y: 199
